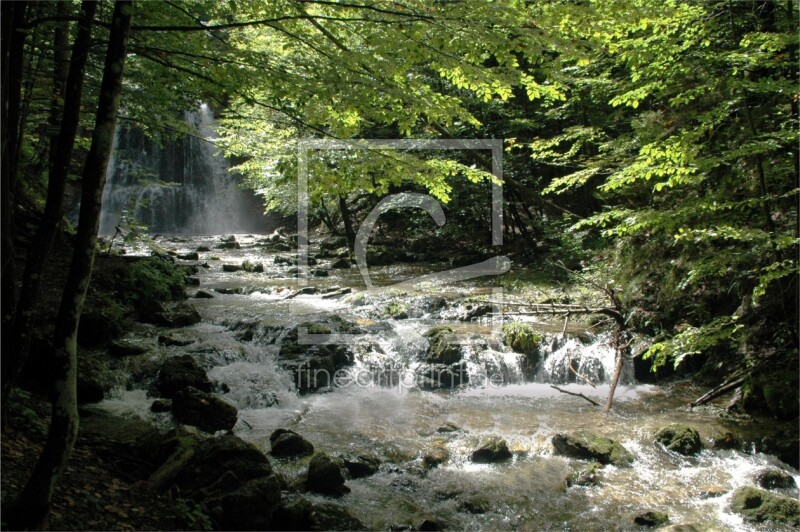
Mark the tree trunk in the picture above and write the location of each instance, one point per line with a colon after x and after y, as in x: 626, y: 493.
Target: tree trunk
x: 349, y: 233
x: 30, y: 508
x: 61, y: 65
x: 12, y: 43
x: 21, y: 334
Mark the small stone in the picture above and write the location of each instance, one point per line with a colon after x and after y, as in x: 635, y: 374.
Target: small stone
x: 651, y: 519
x: 490, y: 451
x: 203, y: 294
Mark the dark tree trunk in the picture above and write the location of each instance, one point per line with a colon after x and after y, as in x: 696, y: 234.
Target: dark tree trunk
x: 21, y: 333
x: 61, y: 64
x: 12, y: 42
x: 349, y: 233
x: 30, y: 508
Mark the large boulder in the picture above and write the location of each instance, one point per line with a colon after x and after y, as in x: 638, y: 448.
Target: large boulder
x: 440, y: 348
x: 289, y: 444
x: 491, y: 450
x: 325, y: 476
x: 203, y: 410
x: 182, y: 315
x: 361, y: 465
x: 179, y: 372
x: 773, y: 478
x: 758, y: 506
x: 681, y: 439
x: 590, y: 446
x: 652, y: 518
x: 313, y: 364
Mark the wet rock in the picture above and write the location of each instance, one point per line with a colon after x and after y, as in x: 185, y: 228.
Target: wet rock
x: 476, y: 504
x: 476, y: 311
x: 171, y: 341
x: 448, y: 428
x: 758, y: 506
x: 189, y: 256
x: 432, y: 524
x: 775, y: 478
x: 203, y: 248
x: 229, y: 245
x: 315, y: 365
x: 183, y: 315
x: 288, y: 444
x: 782, y: 443
x: 228, y: 238
x: 192, y: 281
x: 681, y: 439
x: 341, y: 264
x: 253, y: 267
x: 206, y: 411
x: 586, y: 476
x: 281, y: 259
x: 325, y: 476
x: 249, y: 507
x: 319, y: 272
x: 439, y: 376
x: 203, y: 294
x: 121, y: 348
x: 281, y: 246
x: 440, y: 348
x: 179, y: 372
x: 361, y: 466
x: 590, y: 446
x: 300, y: 514
x: 724, y: 441
x: 161, y: 405
x: 651, y: 519
x: 231, y: 268
x: 492, y: 450
x: 435, y: 457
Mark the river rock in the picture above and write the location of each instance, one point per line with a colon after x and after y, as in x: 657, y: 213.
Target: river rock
x: 440, y: 376
x: 361, y: 465
x: 203, y: 294
x: 231, y: 268
x: 586, y: 476
x: 491, y: 451
x: 758, y: 506
x: 161, y: 405
x: 325, y: 476
x: 206, y: 411
x: 773, y: 478
x: 651, y: 519
x: 121, y: 348
x: 435, y: 457
x: 440, y: 349
x: 314, y: 365
x: 680, y: 438
x: 192, y: 281
x: 253, y: 267
x: 179, y: 372
x: 319, y: 272
x: 590, y: 446
x: 301, y: 514
x: 172, y: 341
x: 725, y: 440
x: 203, y: 248
x: 288, y: 444
x: 248, y: 507
x: 341, y: 264
x: 189, y: 256
x: 183, y: 315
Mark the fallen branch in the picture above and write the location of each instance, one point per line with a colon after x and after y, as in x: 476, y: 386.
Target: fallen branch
x: 595, y: 403
x: 722, y: 389
x: 581, y: 377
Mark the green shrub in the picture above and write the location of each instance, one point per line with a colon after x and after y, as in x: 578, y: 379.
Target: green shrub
x: 155, y: 278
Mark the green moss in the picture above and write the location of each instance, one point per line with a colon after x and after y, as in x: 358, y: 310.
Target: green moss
x: 521, y: 337
x: 156, y: 279
x: 758, y: 506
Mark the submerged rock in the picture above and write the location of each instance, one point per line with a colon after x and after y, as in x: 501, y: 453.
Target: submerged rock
x: 203, y: 410
x: 179, y: 372
x: 758, y: 506
x: 493, y: 450
x: 651, y: 519
x: 231, y: 268
x: 325, y: 476
x: 287, y: 444
x: 435, y: 457
x: 361, y: 466
x: 586, y: 476
x: 680, y: 438
x: 591, y: 446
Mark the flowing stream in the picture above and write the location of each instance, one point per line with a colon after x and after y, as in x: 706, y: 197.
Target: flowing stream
x: 390, y: 417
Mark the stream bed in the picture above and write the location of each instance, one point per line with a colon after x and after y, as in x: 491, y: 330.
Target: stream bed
x: 382, y: 408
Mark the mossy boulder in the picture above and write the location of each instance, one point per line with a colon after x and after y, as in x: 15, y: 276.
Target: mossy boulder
x: 590, y: 446
x: 589, y: 475
x: 681, y: 439
x: 361, y: 465
x: 760, y: 506
x: 773, y: 478
x: 440, y: 348
x: 521, y: 338
x: 315, y: 364
x: 774, y: 392
x: 491, y: 450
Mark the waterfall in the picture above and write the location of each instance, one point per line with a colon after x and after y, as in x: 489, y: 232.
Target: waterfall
x: 179, y: 186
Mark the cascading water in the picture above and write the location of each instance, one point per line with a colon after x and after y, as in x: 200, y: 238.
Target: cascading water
x: 180, y: 187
